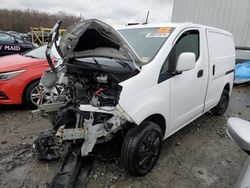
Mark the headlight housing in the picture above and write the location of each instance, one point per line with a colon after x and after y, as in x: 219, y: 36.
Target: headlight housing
x: 123, y: 113
x: 10, y: 75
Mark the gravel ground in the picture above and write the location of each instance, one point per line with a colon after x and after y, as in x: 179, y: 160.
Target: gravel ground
x: 199, y: 155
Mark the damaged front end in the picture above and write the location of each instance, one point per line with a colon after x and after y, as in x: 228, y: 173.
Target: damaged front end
x: 84, y: 85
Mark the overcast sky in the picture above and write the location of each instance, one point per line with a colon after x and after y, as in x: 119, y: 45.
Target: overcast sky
x: 111, y: 11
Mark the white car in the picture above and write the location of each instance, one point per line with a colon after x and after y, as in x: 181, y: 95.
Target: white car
x: 148, y: 80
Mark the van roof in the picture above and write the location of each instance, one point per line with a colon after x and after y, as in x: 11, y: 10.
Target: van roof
x: 175, y: 25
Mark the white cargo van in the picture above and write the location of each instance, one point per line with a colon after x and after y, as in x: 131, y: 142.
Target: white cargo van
x: 150, y: 80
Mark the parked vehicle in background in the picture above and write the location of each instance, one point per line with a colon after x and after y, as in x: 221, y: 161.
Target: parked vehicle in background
x: 151, y: 80
x: 239, y: 131
x: 11, y: 44
x: 23, y: 36
x: 20, y: 76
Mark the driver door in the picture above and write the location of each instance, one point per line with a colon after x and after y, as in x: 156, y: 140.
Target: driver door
x: 187, y: 89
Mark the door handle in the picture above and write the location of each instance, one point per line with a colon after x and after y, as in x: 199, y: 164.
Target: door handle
x: 200, y: 73
x: 213, y: 70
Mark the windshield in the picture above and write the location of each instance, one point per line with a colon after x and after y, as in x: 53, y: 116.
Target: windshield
x: 38, y: 53
x: 146, y: 42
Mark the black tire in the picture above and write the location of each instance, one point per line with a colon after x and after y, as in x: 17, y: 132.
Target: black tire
x: 221, y: 107
x: 141, y: 148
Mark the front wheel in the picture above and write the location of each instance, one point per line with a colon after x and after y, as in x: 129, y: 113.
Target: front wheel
x: 221, y: 107
x: 35, y: 95
x: 141, y: 148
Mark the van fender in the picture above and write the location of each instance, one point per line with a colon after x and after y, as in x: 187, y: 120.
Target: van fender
x: 141, y: 111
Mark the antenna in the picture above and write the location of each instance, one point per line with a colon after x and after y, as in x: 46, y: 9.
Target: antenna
x: 146, y: 21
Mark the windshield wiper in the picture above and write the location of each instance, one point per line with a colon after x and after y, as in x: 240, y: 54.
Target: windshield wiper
x: 124, y: 64
x: 96, y: 62
x: 31, y: 56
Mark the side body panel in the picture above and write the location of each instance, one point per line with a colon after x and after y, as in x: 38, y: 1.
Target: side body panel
x: 222, y: 60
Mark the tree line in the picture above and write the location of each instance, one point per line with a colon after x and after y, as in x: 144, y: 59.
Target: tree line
x: 22, y: 20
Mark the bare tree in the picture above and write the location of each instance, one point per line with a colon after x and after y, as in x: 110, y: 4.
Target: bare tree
x: 22, y: 20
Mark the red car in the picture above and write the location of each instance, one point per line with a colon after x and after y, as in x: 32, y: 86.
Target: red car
x: 20, y: 75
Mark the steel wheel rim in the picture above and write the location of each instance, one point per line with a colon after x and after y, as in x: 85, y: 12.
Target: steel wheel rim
x: 149, y: 150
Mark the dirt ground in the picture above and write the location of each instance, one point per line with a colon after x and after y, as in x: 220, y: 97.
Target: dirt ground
x: 199, y: 155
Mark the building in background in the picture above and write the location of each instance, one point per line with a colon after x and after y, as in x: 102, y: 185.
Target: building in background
x: 230, y: 15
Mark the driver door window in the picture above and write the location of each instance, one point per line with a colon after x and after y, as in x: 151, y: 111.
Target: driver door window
x: 188, y: 42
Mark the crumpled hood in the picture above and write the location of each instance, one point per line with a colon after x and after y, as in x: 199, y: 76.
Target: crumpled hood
x: 16, y: 62
x: 94, y: 38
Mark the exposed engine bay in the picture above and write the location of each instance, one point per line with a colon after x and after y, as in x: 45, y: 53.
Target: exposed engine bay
x: 94, y: 89
x: 85, y: 88
x: 85, y: 107
x: 84, y: 112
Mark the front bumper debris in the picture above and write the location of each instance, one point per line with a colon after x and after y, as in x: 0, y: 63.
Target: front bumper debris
x: 44, y: 148
x: 70, y: 169
x: 46, y: 108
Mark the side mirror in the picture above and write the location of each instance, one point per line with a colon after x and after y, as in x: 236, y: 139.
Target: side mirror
x: 238, y: 130
x: 185, y: 62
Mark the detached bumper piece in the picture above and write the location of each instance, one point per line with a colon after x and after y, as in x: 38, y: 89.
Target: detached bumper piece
x: 70, y: 169
x: 43, y: 148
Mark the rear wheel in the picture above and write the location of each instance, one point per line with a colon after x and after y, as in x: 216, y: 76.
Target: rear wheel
x: 221, y: 107
x: 35, y: 95
x: 141, y: 148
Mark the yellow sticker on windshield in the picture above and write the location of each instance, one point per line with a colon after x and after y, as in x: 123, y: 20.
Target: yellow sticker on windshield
x: 164, y: 30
